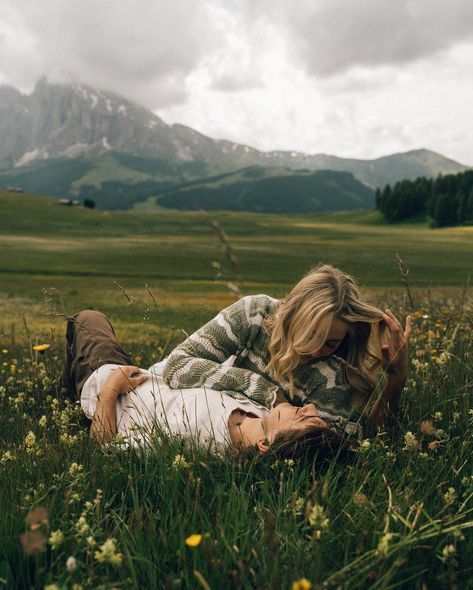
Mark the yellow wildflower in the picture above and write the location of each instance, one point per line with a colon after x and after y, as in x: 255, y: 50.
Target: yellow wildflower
x: 180, y: 462
x: 108, y: 553
x: 448, y: 552
x: 301, y: 584
x: 193, y: 540
x: 383, y: 545
x: 450, y: 496
x: 56, y: 538
x: 317, y: 517
x: 41, y: 347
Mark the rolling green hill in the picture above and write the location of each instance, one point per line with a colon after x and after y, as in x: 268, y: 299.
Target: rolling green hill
x: 118, y: 181
x: 273, y: 190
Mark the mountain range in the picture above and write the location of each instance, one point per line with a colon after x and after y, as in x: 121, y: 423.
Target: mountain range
x: 78, y: 141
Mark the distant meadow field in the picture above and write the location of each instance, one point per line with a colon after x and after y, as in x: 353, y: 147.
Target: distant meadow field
x: 74, y: 515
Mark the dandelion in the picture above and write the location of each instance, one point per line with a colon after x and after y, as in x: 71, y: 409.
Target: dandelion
x: 52, y: 587
x: 138, y: 360
x: 42, y: 421
x: 289, y: 463
x: 71, y: 564
x: 56, y: 538
x: 41, y: 347
x: 77, y: 587
x: 450, y: 496
x: 438, y: 416
x: 90, y: 541
x: 108, y: 553
x: 180, y: 462
x: 193, y: 540
x: 383, y: 545
x: 301, y: 584
x: 5, y: 350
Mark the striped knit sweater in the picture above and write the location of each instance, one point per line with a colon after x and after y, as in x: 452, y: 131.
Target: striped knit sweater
x: 230, y: 353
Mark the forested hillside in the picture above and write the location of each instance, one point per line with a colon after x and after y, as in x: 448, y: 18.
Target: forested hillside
x: 448, y: 200
x: 273, y: 190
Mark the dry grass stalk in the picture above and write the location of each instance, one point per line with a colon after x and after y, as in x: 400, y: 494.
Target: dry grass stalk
x: 223, y: 239
x: 405, y: 278
x: 129, y: 298
x: 148, y: 288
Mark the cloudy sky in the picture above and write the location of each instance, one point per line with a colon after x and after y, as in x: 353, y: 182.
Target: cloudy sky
x: 353, y: 78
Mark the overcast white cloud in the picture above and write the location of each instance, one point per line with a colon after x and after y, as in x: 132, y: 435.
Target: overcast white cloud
x: 358, y: 79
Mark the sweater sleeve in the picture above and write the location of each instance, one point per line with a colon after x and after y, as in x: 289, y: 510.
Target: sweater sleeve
x: 200, y: 360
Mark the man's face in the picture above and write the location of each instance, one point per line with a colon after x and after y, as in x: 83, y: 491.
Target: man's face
x: 288, y: 417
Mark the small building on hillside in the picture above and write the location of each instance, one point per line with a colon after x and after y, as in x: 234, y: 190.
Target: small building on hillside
x: 15, y: 189
x: 69, y: 202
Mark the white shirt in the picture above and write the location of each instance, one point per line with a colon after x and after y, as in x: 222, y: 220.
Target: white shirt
x: 198, y: 414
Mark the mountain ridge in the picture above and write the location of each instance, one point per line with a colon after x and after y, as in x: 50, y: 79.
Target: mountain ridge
x: 69, y: 121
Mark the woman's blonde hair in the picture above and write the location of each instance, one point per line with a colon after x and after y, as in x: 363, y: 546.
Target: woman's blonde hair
x: 303, y: 320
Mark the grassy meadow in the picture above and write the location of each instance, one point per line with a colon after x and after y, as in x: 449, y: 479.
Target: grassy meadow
x: 77, y: 516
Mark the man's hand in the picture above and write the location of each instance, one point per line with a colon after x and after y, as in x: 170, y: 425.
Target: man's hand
x: 122, y: 381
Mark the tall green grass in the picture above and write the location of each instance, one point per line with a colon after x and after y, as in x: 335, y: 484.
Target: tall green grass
x: 398, y: 515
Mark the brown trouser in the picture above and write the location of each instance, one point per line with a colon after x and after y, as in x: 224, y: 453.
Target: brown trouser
x: 91, y: 343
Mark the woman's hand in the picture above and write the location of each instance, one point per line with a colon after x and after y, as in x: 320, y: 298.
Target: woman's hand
x: 123, y: 380
x: 395, y: 354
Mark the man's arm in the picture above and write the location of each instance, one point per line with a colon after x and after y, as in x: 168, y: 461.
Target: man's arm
x: 120, y: 382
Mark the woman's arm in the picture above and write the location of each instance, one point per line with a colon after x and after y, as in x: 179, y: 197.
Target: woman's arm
x: 199, y: 360
x: 396, y: 364
x: 120, y: 382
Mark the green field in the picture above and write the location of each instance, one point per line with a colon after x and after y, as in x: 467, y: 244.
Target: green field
x: 399, y: 515
x: 77, y: 254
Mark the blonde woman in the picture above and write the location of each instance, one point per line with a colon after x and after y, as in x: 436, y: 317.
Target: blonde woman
x: 321, y: 344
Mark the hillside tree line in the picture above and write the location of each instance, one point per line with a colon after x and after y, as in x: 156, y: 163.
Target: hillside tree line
x: 448, y: 200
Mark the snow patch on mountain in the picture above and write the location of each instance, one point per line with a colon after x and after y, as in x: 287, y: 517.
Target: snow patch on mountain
x: 75, y: 150
x: 28, y: 157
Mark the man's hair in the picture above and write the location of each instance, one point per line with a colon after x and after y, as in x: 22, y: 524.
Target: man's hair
x: 314, y: 444
x: 319, y: 443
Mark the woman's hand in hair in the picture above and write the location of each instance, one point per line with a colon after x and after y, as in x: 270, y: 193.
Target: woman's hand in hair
x: 123, y: 380
x: 395, y: 354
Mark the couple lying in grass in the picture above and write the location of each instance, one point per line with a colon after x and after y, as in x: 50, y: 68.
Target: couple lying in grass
x: 294, y: 375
